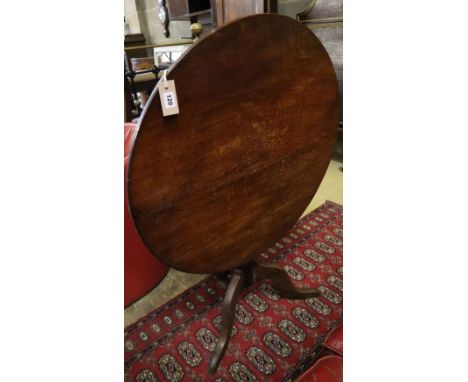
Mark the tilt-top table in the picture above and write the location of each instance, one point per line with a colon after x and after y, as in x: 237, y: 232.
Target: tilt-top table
x: 214, y: 186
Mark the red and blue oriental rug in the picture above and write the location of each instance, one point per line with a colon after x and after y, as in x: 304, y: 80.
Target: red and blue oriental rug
x: 274, y: 339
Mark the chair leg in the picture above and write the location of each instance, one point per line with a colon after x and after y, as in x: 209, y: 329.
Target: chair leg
x: 281, y: 281
x: 236, y: 284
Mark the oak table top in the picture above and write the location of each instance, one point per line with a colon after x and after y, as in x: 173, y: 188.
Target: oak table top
x: 211, y: 188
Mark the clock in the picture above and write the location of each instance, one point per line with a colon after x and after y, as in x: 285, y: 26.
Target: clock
x: 164, y: 16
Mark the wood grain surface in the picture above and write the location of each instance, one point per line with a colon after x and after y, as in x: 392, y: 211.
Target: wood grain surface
x: 213, y: 187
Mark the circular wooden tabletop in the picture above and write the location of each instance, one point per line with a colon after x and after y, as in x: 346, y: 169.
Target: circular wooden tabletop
x: 211, y: 188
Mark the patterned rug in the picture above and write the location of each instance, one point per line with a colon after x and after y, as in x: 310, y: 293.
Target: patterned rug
x: 274, y: 339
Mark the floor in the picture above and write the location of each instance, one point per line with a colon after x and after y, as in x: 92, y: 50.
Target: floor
x: 176, y: 282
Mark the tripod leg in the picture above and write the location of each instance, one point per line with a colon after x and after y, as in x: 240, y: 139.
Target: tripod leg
x: 229, y: 304
x: 281, y: 281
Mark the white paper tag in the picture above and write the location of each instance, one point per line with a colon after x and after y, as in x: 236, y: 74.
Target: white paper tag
x: 168, y: 100
x: 168, y: 95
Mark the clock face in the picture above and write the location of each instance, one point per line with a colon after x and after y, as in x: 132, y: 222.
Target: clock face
x: 162, y: 14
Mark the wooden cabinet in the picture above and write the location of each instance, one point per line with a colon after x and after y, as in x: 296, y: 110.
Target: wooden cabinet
x: 212, y: 13
x: 186, y: 9
x: 230, y: 10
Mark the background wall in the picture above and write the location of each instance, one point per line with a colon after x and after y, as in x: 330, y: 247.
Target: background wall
x: 142, y: 17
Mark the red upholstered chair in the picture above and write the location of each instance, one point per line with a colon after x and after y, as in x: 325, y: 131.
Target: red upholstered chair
x: 334, y: 340
x: 326, y: 369
x: 142, y: 270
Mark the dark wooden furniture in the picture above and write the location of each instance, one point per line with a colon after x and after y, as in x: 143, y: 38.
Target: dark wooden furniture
x: 135, y: 40
x: 242, y: 278
x: 215, y: 13
x: 135, y: 54
x: 142, y: 270
x: 231, y: 10
x: 144, y: 76
x: 195, y: 11
x: 214, y: 186
x: 186, y: 9
x: 128, y: 102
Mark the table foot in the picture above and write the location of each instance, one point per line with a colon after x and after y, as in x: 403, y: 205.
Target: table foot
x: 281, y: 281
x: 236, y: 284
